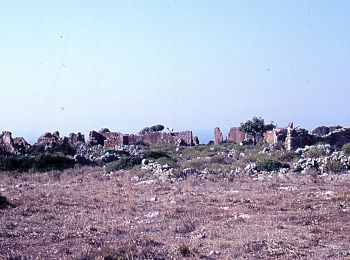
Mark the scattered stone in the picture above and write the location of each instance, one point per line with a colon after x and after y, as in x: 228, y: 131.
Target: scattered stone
x: 152, y: 214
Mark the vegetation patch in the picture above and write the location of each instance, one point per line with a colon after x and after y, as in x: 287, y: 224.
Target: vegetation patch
x: 346, y: 149
x: 270, y: 165
x: 124, y: 163
x: 4, y: 202
x: 41, y: 162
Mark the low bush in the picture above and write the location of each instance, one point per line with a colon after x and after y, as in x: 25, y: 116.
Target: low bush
x: 169, y: 161
x: 141, y: 143
x: 218, y: 159
x: 315, y: 152
x: 287, y: 156
x: 155, y: 155
x: 49, y: 162
x: 195, y: 164
x: 41, y: 162
x: 270, y: 165
x: 63, y: 148
x: 247, y: 142
x: 124, y: 163
x: 334, y: 166
x: 3, y: 202
x: 346, y: 148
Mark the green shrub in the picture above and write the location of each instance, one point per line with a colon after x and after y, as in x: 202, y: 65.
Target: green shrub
x: 218, y: 159
x: 270, y: 165
x: 195, y: 164
x: 63, y: 148
x: 118, y: 152
x: 164, y: 160
x: 36, y: 150
x: 49, y: 162
x: 15, y: 163
x: 287, y: 156
x: 248, y: 142
x: 124, y: 163
x: 346, y: 148
x: 334, y: 166
x: 3, y: 202
x: 155, y: 154
x: 315, y: 152
x: 41, y: 162
x: 141, y: 143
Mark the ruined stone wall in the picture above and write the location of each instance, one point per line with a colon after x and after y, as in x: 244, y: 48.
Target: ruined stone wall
x: 195, y: 140
x: 270, y: 137
x: 236, y: 135
x: 298, y: 138
x: 6, y: 142
x: 75, y: 138
x: 156, y: 138
x: 96, y: 138
x: 218, y: 137
x: 12, y: 145
x: 48, y: 139
x: 185, y: 136
x: 276, y: 136
x: 324, y: 130
x: 114, y: 139
x: 338, y: 137
x: 20, y: 144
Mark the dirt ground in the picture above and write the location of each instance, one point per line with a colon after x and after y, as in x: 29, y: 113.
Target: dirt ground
x: 82, y: 214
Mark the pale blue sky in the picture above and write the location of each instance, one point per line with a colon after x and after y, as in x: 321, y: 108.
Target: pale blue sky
x: 82, y: 65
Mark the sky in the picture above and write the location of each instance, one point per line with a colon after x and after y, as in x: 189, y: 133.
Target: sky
x: 189, y: 65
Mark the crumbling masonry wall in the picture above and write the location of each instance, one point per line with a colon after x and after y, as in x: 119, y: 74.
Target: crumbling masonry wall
x: 218, y: 137
x: 236, y: 135
x: 180, y: 138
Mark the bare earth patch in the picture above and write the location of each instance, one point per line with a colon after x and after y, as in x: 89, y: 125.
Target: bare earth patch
x: 82, y: 214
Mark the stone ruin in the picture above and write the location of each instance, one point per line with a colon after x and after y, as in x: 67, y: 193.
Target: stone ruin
x: 234, y: 135
x: 115, y: 139
x: 101, y: 139
x: 292, y: 137
x: 76, y: 138
x: 218, y: 137
x: 338, y: 137
x: 48, y: 140
x: 14, y: 146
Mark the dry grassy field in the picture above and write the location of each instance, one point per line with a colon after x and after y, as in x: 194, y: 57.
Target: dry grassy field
x: 83, y: 214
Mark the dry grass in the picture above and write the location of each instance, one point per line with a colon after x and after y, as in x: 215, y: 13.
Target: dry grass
x: 81, y: 214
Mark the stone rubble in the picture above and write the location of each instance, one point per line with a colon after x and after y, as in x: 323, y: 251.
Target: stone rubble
x: 331, y: 161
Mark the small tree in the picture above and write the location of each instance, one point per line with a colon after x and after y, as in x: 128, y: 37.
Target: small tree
x: 256, y: 128
x: 144, y: 131
x: 157, y: 128
x: 152, y: 129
